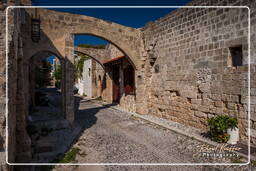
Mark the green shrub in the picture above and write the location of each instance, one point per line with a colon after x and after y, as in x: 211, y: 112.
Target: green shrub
x: 232, y: 123
x: 68, y: 157
x: 218, y: 127
x: 58, y: 84
x: 79, y: 65
x: 98, y: 98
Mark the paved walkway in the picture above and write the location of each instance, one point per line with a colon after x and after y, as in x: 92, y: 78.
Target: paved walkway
x: 111, y: 136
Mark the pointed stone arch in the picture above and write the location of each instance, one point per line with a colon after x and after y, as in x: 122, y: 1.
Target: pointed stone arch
x: 98, y: 55
x: 40, y: 55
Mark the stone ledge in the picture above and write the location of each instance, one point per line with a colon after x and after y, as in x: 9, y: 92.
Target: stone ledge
x: 183, y: 129
x: 174, y: 126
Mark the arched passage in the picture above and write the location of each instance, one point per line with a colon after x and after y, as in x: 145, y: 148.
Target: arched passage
x: 35, y: 74
x: 96, y: 54
x: 57, y: 33
x: 56, y: 37
x: 103, y: 55
x: 56, y: 28
x: 93, y: 69
x: 66, y: 92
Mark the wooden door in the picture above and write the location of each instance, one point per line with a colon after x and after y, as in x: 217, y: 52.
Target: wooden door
x: 116, y: 84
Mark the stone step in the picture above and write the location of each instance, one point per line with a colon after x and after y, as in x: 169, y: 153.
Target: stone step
x: 56, y: 143
x: 45, y: 157
x: 51, y: 125
x: 42, y: 147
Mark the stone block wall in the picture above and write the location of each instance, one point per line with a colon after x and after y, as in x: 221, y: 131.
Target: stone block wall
x: 99, y: 81
x: 15, y: 44
x: 13, y: 47
x: 114, y: 51
x: 2, y: 75
x: 184, y: 74
x: 188, y: 73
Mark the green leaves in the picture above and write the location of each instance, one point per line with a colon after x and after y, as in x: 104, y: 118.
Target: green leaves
x: 57, y: 72
x: 79, y: 65
x: 218, y: 127
x: 57, y: 76
x: 232, y: 123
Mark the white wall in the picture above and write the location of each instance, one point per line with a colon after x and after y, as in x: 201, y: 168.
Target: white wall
x: 85, y: 84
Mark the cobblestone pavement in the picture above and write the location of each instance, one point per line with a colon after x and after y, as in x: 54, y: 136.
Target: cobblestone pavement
x: 111, y: 136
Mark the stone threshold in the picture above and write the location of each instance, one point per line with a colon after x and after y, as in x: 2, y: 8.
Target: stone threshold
x: 179, y: 128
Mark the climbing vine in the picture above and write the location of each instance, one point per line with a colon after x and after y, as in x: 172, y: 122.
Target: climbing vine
x: 57, y: 76
x: 79, y: 65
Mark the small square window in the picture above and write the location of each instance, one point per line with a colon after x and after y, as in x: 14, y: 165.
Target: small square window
x: 236, y: 53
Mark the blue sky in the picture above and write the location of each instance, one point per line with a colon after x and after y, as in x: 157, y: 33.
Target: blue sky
x: 126, y: 16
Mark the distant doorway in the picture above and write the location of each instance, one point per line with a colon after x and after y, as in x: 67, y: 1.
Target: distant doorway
x: 116, y: 84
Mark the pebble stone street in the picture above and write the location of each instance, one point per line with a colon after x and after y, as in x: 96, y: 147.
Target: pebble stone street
x: 112, y: 136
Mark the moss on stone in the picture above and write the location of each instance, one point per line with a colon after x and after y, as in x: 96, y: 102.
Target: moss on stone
x: 68, y: 157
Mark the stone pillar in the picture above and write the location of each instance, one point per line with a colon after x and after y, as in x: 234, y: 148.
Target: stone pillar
x: 121, y: 80
x: 69, y: 106
x: 12, y: 92
x: 62, y: 86
x: 23, y: 153
x: 26, y: 85
x: 32, y: 82
x: 108, y: 91
x: 94, y: 79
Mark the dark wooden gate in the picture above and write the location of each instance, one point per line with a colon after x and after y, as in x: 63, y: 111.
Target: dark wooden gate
x: 116, y: 84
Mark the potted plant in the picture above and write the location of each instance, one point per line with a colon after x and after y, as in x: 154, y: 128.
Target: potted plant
x: 223, y: 129
x: 233, y: 131
x: 218, y: 128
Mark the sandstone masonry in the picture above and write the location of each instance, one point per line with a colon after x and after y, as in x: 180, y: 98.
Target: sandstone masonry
x: 183, y: 65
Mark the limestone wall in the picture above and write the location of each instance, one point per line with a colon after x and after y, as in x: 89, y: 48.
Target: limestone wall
x: 114, y: 51
x: 2, y: 84
x: 183, y: 75
x: 15, y: 44
x: 187, y: 70
x: 87, y: 78
x: 2, y: 75
x: 99, y: 81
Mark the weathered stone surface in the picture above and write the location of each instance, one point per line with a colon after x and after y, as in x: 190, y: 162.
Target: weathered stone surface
x: 182, y: 63
x: 200, y: 114
x: 100, y: 55
x: 197, y: 54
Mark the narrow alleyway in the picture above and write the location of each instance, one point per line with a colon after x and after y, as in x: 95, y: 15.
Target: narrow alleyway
x: 111, y: 136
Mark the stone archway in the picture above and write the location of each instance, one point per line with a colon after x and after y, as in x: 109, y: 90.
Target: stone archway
x: 67, y: 92
x: 98, y: 55
x: 56, y: 26
x: 57, y: 36
x: 33, y: 61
